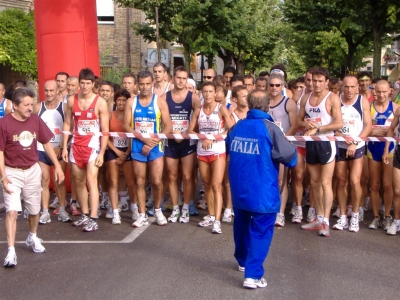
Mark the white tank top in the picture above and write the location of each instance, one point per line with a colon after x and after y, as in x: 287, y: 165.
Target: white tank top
x: 211, y: 124
x: 235, y: 116
x: 352, y: 116
x: 318, y: 114
x: 280, y: 114
x: 54, y: 119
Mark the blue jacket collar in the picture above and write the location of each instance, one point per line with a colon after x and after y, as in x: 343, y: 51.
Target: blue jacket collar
x: 258, y: 114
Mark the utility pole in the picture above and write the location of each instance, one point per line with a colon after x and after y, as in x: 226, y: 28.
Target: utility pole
x: 158, y: 37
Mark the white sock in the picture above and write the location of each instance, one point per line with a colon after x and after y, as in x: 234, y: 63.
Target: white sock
x: 62, y: 208
x: 45, y: 210
x: 326, y: 221
x: 185, y: 206
x: 115, y: 211
x: 343, y: 217
x: 175, y: 207
x: 228, y: 211
x: 11, y: 249
x: 32, y: 235
x: 299, y: 208
x: 320, y: 218
x: 212, y: 218
x: 133, y: 205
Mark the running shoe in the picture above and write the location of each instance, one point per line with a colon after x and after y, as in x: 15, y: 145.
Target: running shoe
x: 293, y: 209
x: 341, y: 224
x: 64, y: 217
x: 227, y: 217
x: 142, y: 220
x: 375, y: 224
x: 314, y: 225
x: 54, y: 204
x: 150, y: 212
x: 35, y: 243
x: 123, y: 205
x: 216, y: 227
x: 99, y: 213
x: 324, y: 231
x: 26, y: 213
x: 311, y: 216
x: 116, y: 220
x: 90, y: 226
x: 298, y: 216
x: 44, y: 218
x: 135, y: 213
x: 184, y: 218
x: 386, y: 222
x: 207, y: 222
x: 56, y: 211
x: 336, y: 214
x: 367, y: 203
x: 382, y: 209
x: 280, y: 220
x: 110, y: 213
x: 250, y: 283
x: 192, y: 210
x: 81, y: 221
x: 360, y: 214
x: 11, y: 260
x: 161, y: 219
x: 74, y: 209
x: 354, y: 223
x: 202, y: 204
x: 105, y: 200
x: 394, y: 227
x: 173, y: 218
x: 150, y: 201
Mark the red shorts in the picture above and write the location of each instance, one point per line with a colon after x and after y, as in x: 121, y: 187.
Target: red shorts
x: 81, y: 155
x: 210, y: 158
x: 301, y: 151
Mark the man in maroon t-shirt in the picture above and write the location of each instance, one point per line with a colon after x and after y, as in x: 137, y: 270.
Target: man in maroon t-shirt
x: 19, y: 171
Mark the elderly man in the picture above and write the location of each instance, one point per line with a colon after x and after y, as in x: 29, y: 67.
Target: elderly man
x: 256, y: 147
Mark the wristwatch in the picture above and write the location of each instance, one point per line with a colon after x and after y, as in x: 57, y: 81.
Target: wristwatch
x: 355, y: 143
x: 318, y: 128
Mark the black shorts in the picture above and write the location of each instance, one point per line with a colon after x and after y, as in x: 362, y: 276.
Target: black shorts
x: 396, y: 157
x: 341, y: 154
x: 44, y: 158
x: 178, y: 151
x: 320, y: 152
x: 110, y: 155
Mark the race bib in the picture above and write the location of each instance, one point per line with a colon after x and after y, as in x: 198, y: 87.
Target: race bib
x: 120, y: 142
x: 349, y: 127
x: 85, y: 126
x: 180, y: 125
x: 380, y: 126
x: 279, y: 124
x: 144, y: 127
x: 56, y: 137
x: 315, y: 120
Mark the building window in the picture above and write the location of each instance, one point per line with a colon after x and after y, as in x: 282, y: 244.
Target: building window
x: 105, y: 11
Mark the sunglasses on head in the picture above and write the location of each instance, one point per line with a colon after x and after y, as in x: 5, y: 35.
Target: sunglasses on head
x: 275, y: 85
x: 208, y: 77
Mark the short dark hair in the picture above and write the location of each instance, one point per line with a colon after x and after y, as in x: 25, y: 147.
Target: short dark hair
x: 334, y: 80
x: 321, y: 71
x: 236, y: 78
x: 106, y: 82
x: 237, y: 89
x: 86, y: 74
x: 375, y: 80
x: 180, y: 69
x: 301, y: 80
x: 207, y: 83
x: 130, y: 74
x: 22, y: 93
x: 258, y: 99
x: 218, y: 80
x: 116, y: 87
x: 62, y: 73
x: 363, y: 74
x: 121, y: 93
x: 263, y: 73
x: 160, y: 64
x: 261, y: 78
x: 222, y: 88
x: 291, y: 84
x: 309, y: 70
x: 248, y: 77
x: 229, y: 70
x: 145, y: 74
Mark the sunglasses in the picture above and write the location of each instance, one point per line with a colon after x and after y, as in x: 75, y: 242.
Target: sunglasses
x: 208, y: 77
x: 275, y: 85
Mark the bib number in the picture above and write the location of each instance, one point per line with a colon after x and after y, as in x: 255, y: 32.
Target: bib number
x: 180, y: 125
x: 144, y: 127
x: 85, y: 126
x: 120, y: 142
x: 348, y: 127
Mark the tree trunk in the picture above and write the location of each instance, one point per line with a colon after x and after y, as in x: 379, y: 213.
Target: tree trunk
x: 186, y: 54
x: 351, y: 50
x: 377, y: 47
x: 240, y: 67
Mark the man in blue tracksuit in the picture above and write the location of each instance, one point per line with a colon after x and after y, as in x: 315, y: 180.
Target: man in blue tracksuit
x: 256, y: 147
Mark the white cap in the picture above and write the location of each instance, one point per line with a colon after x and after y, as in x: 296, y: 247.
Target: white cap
x: 192, y: 82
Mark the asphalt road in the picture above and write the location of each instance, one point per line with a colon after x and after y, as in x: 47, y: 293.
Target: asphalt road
x: 184, y: 261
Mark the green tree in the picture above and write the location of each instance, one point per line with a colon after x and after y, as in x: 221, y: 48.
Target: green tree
x: 18, y: 42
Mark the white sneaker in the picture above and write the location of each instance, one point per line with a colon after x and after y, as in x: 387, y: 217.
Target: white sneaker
x: 311, y: 215
x: 142, y: 220
x: 116, y: 220
x: 207, y: 222
x: 227, y: 217
x: 184, y: 218
x: 360, y: 214
x: 280, y: 220
x: 386, y: 222
x: 202, y: 204
x: 123, y: 205
x: 110, y: 213
x: 293, y: 209
x: 341, y: 224
x: 161, y: 219
x: 54, y: 204
x: 394, y: 227
x: 173, y: 218
x: 298, y: 216
x: 11, y: 260
x: 354, y: 223
x: 251, y: 283
x: 375, y: 224
x: 26, y: 213
x: 64, y: 217
x: 216, y: 227
x: 366, y: 203
x: 44, y: 218
x: 36, y: 244
x: 135, y: 213
x: 336, y: 214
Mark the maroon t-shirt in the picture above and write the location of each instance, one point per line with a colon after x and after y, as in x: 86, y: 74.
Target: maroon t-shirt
x: 18, y: 140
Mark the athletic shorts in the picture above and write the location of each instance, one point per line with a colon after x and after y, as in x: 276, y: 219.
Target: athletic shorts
x: 341, y: 154
x: 81, y: 156
x: 44, y: 158
x: 27, y: 182
x: 146, y: 158
x: 301, y: 151
x: 396, y: 157
x: 376, y: 149
x: 178, y: 151
x: 320, y: 152
x: 110, y: 154
x: 210, y: 158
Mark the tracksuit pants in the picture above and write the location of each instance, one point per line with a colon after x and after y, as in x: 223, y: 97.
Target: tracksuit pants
x: 252, y: 234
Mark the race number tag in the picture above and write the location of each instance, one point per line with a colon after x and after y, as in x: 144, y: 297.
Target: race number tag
x: 85, y: 126
x: 349, y: 127
x: 144, y: 127
x: 279, y: 124
x: 56, y: 137
x: 120, y: 142
x: 315, y: 120
x: 180, y: 125
x: 380, y: 126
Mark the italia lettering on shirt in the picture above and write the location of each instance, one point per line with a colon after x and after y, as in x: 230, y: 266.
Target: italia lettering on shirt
x: 245, y: 145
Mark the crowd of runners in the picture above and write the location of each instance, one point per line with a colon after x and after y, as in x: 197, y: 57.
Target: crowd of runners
x: 116, y: 173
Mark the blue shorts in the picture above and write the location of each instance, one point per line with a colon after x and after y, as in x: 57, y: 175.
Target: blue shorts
x: 320, y: 152
x: 110, y: 155
x: 178, y: 151
x: 44, y: 158
x: 146, y: 158
x: 341, y: 154
x: 375, y: 150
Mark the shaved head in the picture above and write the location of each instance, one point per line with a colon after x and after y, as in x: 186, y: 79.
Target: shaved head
x: 50, y: 83
x: 383, y: 83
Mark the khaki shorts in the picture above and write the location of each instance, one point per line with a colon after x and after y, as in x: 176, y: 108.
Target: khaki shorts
x: 27, y: 182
